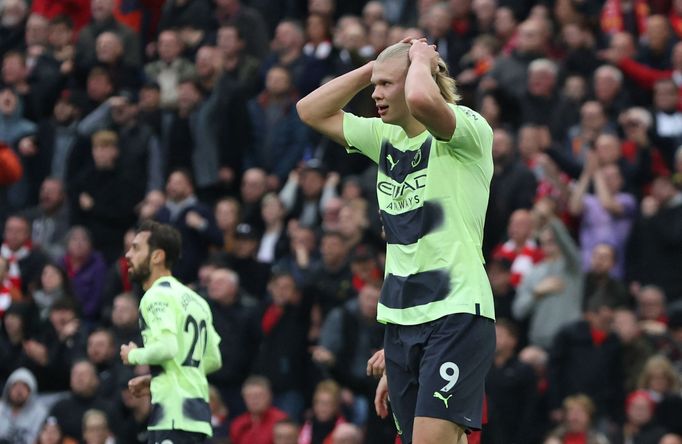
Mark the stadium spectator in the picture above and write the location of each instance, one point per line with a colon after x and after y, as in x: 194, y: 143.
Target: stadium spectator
x: 326, y: 414
x: 283, y: 354
x: 96, y: 428
x: 654, y: 234
x: 662, y: 382
x: 102, y: 21
x: 306, y: 192
x: 25, y: 261
x: 253, y: 187
x: 285, y: 431
x: 258, y: 422
x: 60, y: 342
x: 50, y: 218
x: 101, y: 351
x: 512, y: 188
x: 86, y: 270
x: 249, y: 21
x: 639, y: 423
x: 521, y: 249
x: 193, y: 219
x: 12, y: 25
x: 511, y: 390
x: 350, y: 336
x: 96, y: 195
x: 279, y: 136
x: 52, y: 286
x: 141, y: 156
x: 636, y: 344
x: 51, y: 433
x: 553, y: 289
x: 170, y: 68
x: 124, y: 320
x: 578, y: 421
x: 21, y: 413
x: 235, y: 320
x: 191, y: 137
x: 606, y: 214
x: 83, y: 397
x: 600, y: 281
x: 589, y: 340
x: 275, y: 242
x: 237, y: 64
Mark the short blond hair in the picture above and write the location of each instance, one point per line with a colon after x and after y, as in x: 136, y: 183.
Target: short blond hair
x: 105, y: 138
x: 446, y: 84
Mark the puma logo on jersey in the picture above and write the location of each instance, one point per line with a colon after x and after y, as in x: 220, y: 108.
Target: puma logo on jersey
x: 390, y: 160
x: 439, y: 396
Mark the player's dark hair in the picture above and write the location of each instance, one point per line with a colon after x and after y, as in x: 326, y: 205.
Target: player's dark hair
x: 163, y: 237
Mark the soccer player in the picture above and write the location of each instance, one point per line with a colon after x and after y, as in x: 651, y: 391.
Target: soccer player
x: 435, y: 166
x: 180, y: 343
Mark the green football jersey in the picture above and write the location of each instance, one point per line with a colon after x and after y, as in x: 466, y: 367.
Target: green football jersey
x: 433, y: 196
x: 173, y: 317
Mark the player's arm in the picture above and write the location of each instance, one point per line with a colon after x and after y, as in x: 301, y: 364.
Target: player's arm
x: 423, y: 95
x: 161, y: 343
x: 322, y: 109
x: 212, y: 358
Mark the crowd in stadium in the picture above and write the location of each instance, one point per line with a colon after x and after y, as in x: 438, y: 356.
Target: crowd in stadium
x: 183, y: 111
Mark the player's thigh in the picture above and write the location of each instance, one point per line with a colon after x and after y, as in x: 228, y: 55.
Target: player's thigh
x: 437, y: 431
x: 402, y: 350
x: 455, y: 362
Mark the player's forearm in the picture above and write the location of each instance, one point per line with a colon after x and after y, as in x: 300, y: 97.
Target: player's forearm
x: 421, y: 91
x: 331, y: 97
x: 161, y: 350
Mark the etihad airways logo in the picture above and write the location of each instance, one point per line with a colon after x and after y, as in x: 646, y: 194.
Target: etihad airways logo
x: 398, y: 190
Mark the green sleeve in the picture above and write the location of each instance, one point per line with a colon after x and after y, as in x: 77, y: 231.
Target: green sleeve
x: 363, y: 135
x: 212, y: 358
x: 473, y: 137
x: 163, y: 348
x: 159, y: 329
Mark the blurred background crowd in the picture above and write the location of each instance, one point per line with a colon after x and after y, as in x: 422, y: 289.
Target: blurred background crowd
x: 183, y: 111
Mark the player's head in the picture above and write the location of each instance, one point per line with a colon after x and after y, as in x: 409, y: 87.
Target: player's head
x: 155, y: 246
x: 388, y: 77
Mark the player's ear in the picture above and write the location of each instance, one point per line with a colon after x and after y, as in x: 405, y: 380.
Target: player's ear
x: 158, y: 257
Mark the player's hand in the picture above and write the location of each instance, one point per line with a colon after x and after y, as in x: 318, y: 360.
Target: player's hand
x: 139, y: 386
x: 376, y: 364
x: 422, y: 51
x: 381, y: 398
x: 125, y: 350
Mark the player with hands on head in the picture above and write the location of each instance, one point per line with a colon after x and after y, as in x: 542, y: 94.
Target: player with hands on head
x: 180, y: 342
x: 434, y: 169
